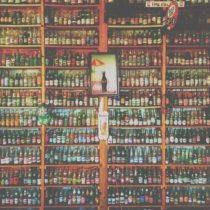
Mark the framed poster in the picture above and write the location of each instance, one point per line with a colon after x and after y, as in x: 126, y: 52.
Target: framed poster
x: 103, y: 74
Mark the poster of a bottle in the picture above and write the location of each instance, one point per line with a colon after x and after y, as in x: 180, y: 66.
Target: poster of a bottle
x: 103, y: 74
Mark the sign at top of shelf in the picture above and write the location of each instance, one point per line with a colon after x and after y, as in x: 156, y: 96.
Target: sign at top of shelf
x: 163, y: 3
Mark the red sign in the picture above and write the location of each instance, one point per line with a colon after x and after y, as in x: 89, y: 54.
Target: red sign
x: 171, y: 15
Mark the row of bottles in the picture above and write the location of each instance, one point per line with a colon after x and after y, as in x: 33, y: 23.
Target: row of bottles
x: 134, y: 196
x: 188, y: 136
x: 64, y: 176
x: 29, y: 36
x: 134, y: 37
x: 188, y: 58
x: 76, y: 154
x: 20, y: 98
x: 20, y: 137
x: 66, y: 58
x: 73, y: 2
x: 20, y: 78
x: 66, y: 79
x: 29, y: 58
x: 187, y: 196
x: 30, y: 17
x: 72, y: 37
x: 20, y: 197
x: 135, y: 136
x: 18, y: 118
x: 69, y: 99
x: 188, y: 98
x: 189, y: 38
x: 134, y: 175
x: 134, y: 155
x: 20, y: 1
x: 194, y: 77
x: 67, y: 136
x: 134, y: 117
x: 139, y: 58
x: 188, y: 155
x: 135, y: 19
x: 136, y: 98
x: 60, y: 117
x: 72, y: 196
x: 140, y: 78
x: 17, y: 177
x: 20, y: 155
x: 189, y: 117
x: 187, y: 176
x: 71, y: 17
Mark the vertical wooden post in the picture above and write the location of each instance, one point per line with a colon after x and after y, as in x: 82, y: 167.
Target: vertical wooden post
x: 103, y: 144
x: 163, y: 128
x: 43, y: 101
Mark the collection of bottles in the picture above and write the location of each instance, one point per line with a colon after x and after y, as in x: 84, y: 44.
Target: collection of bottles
x: 139, y: 58
x: 20, y: 1
x: 188, y: 58
x: 72, y: 37
x: 69, y: 98
x: 134, y: 155
x: 187, y: 176
x: 66, y: 58
x: 20, y: 137
x: 134, y: 117
x: 64, y: 176
x: 140, y: 78
x: 188, y: 155
x: 17, y: 177
x: 188, y: 136
x: 136, y: 98
x: 67, y: 136
x: 186, y: 77
x: 189, y: 38
x: 69, y: 17
x: 137, y: 19
x: 31, y: 58
x: 20, y: 155
x: 66, y: 79
x: 194, y: 97
x: 72, y: 2
x: 20, y: 78
x: 134, y: 37
x: 18, y: 118
x: 187, y: 196
x: 20, y: 197
x: 134, y: 175
x: 14, y: 98
x: 75, y: 154
x: 135, y: 136
x: 134, y: 196
x: 71, y: 196
x: 189, y: 117
x: 29, y: 17
x: 30, y: 36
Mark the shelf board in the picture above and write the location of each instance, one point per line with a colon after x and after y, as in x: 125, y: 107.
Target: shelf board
x: 72, y: 127
x: 136, y: 126
x: 133, y: 185
x: 20, y: 26
x: 119, y: 206
x: 73, y: 165
x: 72, y: 186
x: 20, y: 166
x: 67, y: 67
x: 19, y: 107
x: 72, y: 107
x: 72, y: 47
x: 188, y: 126
x: 188, y: 206
x: 20, y: 145
x: 134, y: 46
x: 19, y: 127
x: 134, y: 107
x: 133, y: 165
x: 134, y: 26
x: 19, y: 207
x: 71, y: 145
x: 18, y: 186
x: 134, y: 145
x: 140, y: 87
x: 71, y: 27
x: 187, y: 165
x: 20, y: 5
x: 187, y: 145
x: 188, y: 107
x: 188, y: 87
x: 72, y: 6
x: 67, y: 88
x: 187, y: 67
x: 187, y: 185
x: 20, y: 88
x: 69, y: 207
x: 184, y: 46
x: 140, y: 67
x: 20, y: 67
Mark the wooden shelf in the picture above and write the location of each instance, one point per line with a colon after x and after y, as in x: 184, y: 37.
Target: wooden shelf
x: 140, y: 87
x: 134, y: 145
x: 188, y: 107
x: 69, y: 207
x: 134, y: 46
x: 20, y: 46
x: 133, y: 165
x: 188, y: 126
x: 20, y: 5
x: 140, y: 67
x: 118, y: 206
x: 73, y: 165
x: 18, y: 107
x: 72, y: 107
x: 72, y: 6
x: 20, y: 88
x: 67, y: 67
x: 188, y: 87
x: 20, y: 145
x: 72, y: 186
x: 71, y: 46
x: 187, y: 67
x: 188, y: 165
x: 19, y: 127
x: 134, y: 107
x: 20, y: 166
x: 135, y: 26
x: 187, y: 185
x: 135, y: 126
x: 19, y: 26
x: 71, y: 27
x: 71, y: 145
x: 184, y: 46
x: 17, y: 186
x: 20, y: 67
x: 19, y: 207
x: 68, y: 88
x: 188, y: 206
x: 187, y: 145
x: 133, y: 185
x: 72, y: 127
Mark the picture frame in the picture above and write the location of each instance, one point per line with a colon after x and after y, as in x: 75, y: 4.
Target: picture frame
x: 103, y: 74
